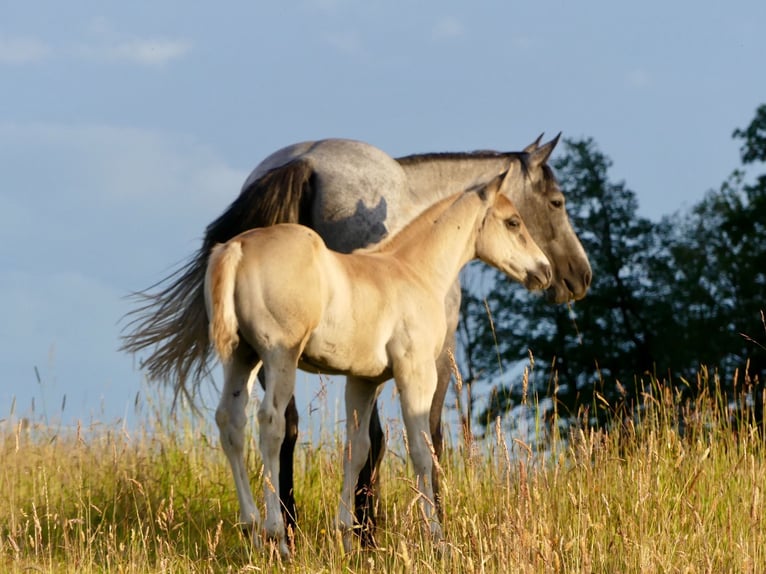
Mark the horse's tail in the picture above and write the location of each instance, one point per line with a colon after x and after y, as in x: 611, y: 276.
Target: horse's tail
x: 171, y: 321
x: 220, y: 281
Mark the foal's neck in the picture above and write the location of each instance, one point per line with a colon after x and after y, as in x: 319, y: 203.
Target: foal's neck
x: 440, y: 241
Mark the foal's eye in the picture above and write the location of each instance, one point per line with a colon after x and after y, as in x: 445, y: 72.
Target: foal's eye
x: 512, y: 222
x: 557, y: 203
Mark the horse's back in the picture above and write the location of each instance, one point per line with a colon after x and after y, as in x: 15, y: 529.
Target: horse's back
x: 359, y: 193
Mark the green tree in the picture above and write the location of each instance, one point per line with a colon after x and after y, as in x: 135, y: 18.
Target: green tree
x: 719, y: 258
x: 607, y: 337
x: 666, y: 297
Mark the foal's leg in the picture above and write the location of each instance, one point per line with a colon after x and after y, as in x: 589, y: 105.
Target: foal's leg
x: 231, y: 419
x: 360, y: 398
x: 444, y: 374
x: 286, y: 455
x: 416, y: 390
x: 365, y: 488
x: 280, y: 368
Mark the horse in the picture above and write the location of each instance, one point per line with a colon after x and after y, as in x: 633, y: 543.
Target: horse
x: 353, y: 194
x: 350, y: 322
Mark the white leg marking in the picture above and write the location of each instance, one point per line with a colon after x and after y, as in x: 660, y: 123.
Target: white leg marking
x: 280, y: 385
x: 231, y: 418
x: 416, y: 390
x: 360, y: 398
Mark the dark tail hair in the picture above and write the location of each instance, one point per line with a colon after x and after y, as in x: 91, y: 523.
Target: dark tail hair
x: 171, y: 321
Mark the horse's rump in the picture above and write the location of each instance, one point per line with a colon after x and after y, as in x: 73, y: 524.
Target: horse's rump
x: 172, y: 322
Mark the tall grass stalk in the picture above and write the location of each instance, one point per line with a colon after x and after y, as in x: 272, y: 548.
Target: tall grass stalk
x: 677, y: 488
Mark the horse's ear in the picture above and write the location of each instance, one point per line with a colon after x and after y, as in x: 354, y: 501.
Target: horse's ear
x: 535, y: 144
x: 539, y: 156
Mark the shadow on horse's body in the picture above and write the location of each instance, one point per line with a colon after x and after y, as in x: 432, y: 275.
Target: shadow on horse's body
x: 278, y: 295
x: 352, y: 194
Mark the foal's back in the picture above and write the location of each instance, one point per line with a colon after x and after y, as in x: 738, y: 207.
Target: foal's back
x: 342, y: 310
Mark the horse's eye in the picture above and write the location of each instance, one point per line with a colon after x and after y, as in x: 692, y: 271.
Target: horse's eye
x: 557, y: 203
x: 512, y: 222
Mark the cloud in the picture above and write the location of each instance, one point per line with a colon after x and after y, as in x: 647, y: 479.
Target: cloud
x: 107, y: 46
x: 153, y: 193
x: 150, y: 52
x: 447, y: 28
x: 346, y: 42
x: 22, y: 50
x: 638, y: 78
x: 329, y: 6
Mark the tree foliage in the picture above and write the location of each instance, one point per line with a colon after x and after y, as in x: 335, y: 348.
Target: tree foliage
x: 667, y: 296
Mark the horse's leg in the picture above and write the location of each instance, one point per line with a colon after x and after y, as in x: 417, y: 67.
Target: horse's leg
x: 366, y: 486
x: 231, y: 418
x: 444, y: 374
x: 279, y: 382
x: 416, y: 391
x: 360, y: 398
x: 286, y: 455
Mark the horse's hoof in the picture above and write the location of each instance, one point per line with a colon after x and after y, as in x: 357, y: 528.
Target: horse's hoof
x: 280, y: 545
x: 367, y: 538
x: 444, y: 550
x: 251, y: 534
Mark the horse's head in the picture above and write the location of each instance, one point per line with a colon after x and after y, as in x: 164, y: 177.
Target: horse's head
x: 539, y: 199
x: 504, y: 241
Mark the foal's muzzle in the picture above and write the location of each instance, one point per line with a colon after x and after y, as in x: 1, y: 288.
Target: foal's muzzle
x: 539, y: 278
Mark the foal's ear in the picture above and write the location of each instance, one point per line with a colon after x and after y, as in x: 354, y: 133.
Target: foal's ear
x: 493, y: 187
x: 540, y: 155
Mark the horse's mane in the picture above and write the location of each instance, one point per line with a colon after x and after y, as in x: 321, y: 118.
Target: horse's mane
x: 418, y: 158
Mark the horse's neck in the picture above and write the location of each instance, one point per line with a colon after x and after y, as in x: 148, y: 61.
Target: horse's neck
x: 434, y: 176
x: 441, y: 240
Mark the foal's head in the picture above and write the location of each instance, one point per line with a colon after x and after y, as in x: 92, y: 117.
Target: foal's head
x: 505, y: 243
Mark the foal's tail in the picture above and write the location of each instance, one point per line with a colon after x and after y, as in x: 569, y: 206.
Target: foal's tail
x: 220, y: 281
x: 169, y: 326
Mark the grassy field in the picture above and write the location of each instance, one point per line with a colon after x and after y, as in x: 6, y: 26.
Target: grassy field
x: 642, y: 497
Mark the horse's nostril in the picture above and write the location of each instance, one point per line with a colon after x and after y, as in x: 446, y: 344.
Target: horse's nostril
x: 586, y: 277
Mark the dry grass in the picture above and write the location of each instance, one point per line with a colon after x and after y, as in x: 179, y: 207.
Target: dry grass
x: 639, y: 498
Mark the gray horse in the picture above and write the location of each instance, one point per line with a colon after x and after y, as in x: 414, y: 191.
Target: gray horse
x: 353, y: 195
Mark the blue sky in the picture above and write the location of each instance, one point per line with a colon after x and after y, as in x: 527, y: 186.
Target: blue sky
x: 126, y: 127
